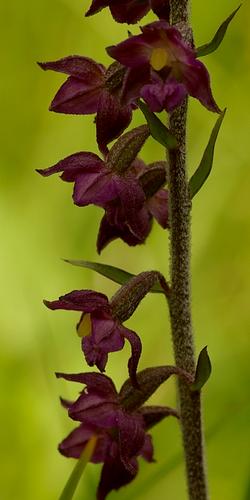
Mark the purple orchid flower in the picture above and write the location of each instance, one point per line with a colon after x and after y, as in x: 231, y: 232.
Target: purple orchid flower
x: 91, y: 89
x: 121, y: 433
x: 131, y: 11
x: 115, y: 224
x: 163, y: 69
x: 129, y: 191
x: 121, y: 196
x: 96, y: 183
x: 99, y: 327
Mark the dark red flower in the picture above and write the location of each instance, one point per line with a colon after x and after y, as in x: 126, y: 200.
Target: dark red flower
x: 130, y: 192
x: 99, y: 328
x: 163, y: 69
x: 131, y: 199
x: 134, y: 231
x: 121, y: 433
x: 91, y: 89
x: 131, y: 11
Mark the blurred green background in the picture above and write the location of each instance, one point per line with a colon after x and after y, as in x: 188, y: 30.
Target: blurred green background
x: 40, y: 225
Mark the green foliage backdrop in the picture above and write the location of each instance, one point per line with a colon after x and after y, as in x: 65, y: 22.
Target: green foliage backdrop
x: 39, y: 226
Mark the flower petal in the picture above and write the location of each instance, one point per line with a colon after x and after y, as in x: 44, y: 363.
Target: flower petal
x: 158, y: 207
x: 140, y: 224
x: 81, y: 92
x: 147, y: 451
x: 132, y: 52
x: 97, y: 382
x: 161, y: 8
x: 133, y: 81
x: 79, y: 67
x: 114, y: 475
x: 99, y: 189
x: 73, y: 165
x: 105, y: 337
x: 111, y: 120
x: 96, y: 188
x: 129, y: 11
x: 76, y: 98
x: 130, y: 199
x: 125, y: 217
x: 74, y: 444
x: 196, y: 79
x: 94, y: 411
x: 136, y: 349
x: 93, y: 355
x: 97, y: 404
x: 131, y: 436
x: 80, y: 300
x: 96, y: 6
x: 108, y: 233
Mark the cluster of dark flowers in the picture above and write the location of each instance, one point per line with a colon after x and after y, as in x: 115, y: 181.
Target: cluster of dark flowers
x: 159, y: 67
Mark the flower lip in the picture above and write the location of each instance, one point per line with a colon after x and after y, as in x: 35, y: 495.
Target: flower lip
x: 159, y: 58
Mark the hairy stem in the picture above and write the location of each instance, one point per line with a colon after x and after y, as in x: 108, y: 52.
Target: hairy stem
x: 180, y: 297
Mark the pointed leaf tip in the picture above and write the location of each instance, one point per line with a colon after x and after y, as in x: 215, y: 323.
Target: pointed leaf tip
x: 210, y: 47
x: 157, y: 129
x: 203, y: 371
x: 72, y: 483
x: 113, y: 273
x: 201, y: 174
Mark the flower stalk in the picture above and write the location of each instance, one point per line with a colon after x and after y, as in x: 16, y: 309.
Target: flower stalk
x: 180, y: 297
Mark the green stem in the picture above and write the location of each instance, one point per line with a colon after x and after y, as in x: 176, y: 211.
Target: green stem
x: 180, y: 297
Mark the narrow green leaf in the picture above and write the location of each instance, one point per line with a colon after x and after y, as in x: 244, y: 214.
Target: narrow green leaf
x: 71, y: 485
x: 203, y: 371
x: 157, y: 129
x: 113, y: 273
x: 201, y: 174
x: 210, y: 47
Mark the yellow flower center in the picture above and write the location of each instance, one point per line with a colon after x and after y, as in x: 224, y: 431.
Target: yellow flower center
x: 159, y: 58
x: 84, y: 327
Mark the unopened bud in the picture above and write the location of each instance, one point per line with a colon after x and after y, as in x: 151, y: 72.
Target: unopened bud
x: 126, y: 149
x: 129, y: 296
